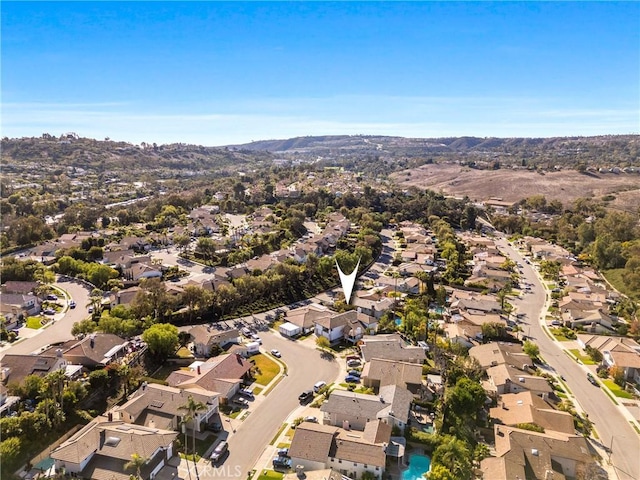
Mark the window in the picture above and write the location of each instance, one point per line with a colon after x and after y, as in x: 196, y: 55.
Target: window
x: 355, y: 464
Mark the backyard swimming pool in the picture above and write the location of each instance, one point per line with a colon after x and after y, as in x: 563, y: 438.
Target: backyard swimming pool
x: 418, y: 465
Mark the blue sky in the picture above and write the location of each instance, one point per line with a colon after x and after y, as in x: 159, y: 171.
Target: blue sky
x: 217, y: 73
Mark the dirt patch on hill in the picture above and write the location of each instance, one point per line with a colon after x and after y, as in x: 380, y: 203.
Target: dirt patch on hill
x: 514, y: 185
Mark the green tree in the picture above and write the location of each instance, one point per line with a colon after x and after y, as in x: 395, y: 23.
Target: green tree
x: 136, y: 463
x: 322, y: 342
x: 531, y: 349
x: 455, y: 456
x: 439, y: 472
x: 162, y: 339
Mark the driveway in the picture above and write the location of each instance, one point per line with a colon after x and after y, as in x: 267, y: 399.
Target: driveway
x: 611, y: 423
x: 60, y: 330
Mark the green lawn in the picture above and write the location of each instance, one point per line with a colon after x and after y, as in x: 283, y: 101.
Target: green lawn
x: 268, y: 369
x: 34, y: 322
x: 586, y: 359
x: 277, y: 435
x: 616, y: 389
x: 556, y: 332
x: 201, y: 446
x: 184, y: 352
x: 270, y: 475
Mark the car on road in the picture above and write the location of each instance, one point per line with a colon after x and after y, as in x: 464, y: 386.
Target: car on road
x: 305, y: 396
x: 592, y: 379
x: 72, y: 304
x: 276, y: 353
x: 282, y: 463
x: 219, y: 451
x: 352, y: 379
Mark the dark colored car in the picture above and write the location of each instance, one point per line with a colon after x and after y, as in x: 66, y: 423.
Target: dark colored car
x: 219, y: 452
x: 305, y: 396
x: 355, y: 373
x: 282, y: 463
x: 352, y: 379
x: 592, y: 379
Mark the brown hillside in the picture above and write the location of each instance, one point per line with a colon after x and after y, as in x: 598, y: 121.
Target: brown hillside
x: 514, y: 185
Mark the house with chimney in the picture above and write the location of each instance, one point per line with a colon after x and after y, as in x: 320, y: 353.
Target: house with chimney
x: 102, y: 448
x: 96, y: 350
x: 15, y: 368
x: 352, y: 453
x: 223, y: 374
x: 161, y: 406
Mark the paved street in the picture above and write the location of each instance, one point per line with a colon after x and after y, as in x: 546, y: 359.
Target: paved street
x: 611, y: 424
x: 61, y: 329
x: 305, y: 367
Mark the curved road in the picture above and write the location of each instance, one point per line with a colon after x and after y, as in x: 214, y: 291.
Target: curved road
x: 305, y: 367
x: 613, y: 428
x: 60, y: 331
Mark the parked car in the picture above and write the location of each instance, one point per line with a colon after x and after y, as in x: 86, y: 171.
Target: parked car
x: 352, y: 379
x: 282, y: 463
x: 246, y: 332
x: 276, y: 353
x: 242, y: 401
x: 592, y: 379
x: 215, y: 427
x: 355, y: 373
x: 219, y: 452
x: 51, y: 296
x: 256, y: 338
x: 319, y: 385
x: 306, y: 396
x: 283, y: 452
x: 353, y: 363
x: 72, y: 304
x: 49, y: 311
x: 311, y: 419
x: 245, y: 392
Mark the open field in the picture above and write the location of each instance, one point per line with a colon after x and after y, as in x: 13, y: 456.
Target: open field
x: 513, y: 185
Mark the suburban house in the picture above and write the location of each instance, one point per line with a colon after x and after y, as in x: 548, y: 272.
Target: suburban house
x: 25, y: 288
x: 93, y: 351
x: 505, y: 378
x: 24, y: 303
x: 204, y: 338
x: 318, y: 447
x: 159, y: 406
x: 380, y: 372
x: 373, y: 308
x: 526, y: 454
x: 616, y: 351
x: 498, y: 353
x: 352, y: 410
x: 140, y: 271
x: 593, y: 321
x: 350, y: 326
x: 391, y: 347
x: 101, y: 449
x: 222, y: 374
x: 526, y: 407
x: 15, y: 368
x: 124, y: 297
x: 305, y: 317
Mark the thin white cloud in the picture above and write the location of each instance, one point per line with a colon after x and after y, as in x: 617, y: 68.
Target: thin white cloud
x: 281, y: 118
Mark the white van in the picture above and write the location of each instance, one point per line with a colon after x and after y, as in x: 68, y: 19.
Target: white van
x: 319, y: 385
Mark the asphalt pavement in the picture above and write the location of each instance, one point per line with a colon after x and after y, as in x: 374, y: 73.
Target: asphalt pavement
x: 611, y: 422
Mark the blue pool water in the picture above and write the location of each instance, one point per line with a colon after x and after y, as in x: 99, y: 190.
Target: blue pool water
x: 418, y: 465
x: 398, y: 321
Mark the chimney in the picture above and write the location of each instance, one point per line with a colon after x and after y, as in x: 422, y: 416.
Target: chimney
x: 198, y: 369
x: 59, y: 352
x: 110, y: 416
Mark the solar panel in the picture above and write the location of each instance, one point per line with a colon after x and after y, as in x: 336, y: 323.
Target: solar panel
x: 156, y: 404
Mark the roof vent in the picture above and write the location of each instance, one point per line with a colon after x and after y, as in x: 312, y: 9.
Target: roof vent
x: 534, y: 452
x: 521, y: 379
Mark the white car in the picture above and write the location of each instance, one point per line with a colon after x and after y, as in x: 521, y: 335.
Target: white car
x: 276, y: 353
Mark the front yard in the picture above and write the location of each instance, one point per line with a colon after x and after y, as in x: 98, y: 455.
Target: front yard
x: 586, y: 359
x: 270, y: 475
x: 616, y: 389
x: 34, y: 322
x: 267, y: 369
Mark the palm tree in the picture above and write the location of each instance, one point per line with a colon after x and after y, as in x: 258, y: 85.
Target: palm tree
x: 192, y: 408
x: 136, y: 463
